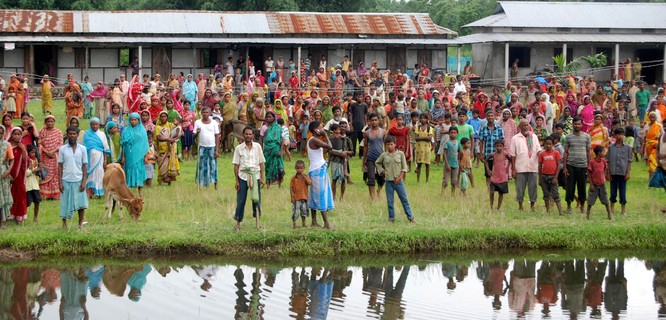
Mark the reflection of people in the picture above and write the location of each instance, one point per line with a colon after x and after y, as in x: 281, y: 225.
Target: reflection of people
x: 494, y: 281
x: 393, y: 306
x: 659, y: 284
x: 595, y: 276
x: 241, y: 299
x: 74, y: 291
x: 522, y: 286
x: 615, y: 297
x: 256, y: 307
x: 94, y: 276
x: 321, y: 291
x: 547, y: 285
x: 136, y: 283
x: 115, y: 279
x: 572, y: 287
x: 207, y: 273
x: 299, y: 293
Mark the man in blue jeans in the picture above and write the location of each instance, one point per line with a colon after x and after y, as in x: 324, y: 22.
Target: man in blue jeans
x: 394, y: 166
x: 249, y: 171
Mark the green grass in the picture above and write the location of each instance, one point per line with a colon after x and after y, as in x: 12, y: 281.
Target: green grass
x: 180, y: 220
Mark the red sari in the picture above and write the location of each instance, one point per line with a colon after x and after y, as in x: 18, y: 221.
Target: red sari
x: 402, y: 140
x: 50, y: 141
x: 19, y: 209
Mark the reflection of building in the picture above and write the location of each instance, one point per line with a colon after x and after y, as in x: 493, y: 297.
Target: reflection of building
x: 534, y: 32
x: 102, y: 43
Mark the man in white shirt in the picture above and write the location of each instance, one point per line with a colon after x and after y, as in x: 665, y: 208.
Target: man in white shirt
x: 249, y: 171
x: 208, y: 132
x: 337, y: 118
x: 459, y: 86
x: 72, y: 169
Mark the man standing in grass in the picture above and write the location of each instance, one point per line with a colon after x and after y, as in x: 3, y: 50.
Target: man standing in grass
x: 208, y: 133
x: 394, y: 167
x: 72, y: 167
x: 576, y: 150
x: 249, y: 171
x: 524, y: 154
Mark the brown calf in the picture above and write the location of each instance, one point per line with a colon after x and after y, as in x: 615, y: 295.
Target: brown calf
x: 117, y: 192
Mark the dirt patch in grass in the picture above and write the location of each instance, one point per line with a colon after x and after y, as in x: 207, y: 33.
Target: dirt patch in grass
x: 9, y: 255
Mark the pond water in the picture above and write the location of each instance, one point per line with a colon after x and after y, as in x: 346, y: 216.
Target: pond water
x: 627, y: 288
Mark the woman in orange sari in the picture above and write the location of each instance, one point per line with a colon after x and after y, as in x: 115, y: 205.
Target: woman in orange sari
x: 50, y: 140
x: 599, y: 133
x: 652, y: 134
x: 74, y: 101
x: 20, y: 94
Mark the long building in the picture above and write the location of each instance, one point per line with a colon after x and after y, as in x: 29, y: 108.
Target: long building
x: 102, y: 44
x: 533, y: 32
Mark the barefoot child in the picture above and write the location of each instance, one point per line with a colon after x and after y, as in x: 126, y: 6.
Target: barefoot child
x: 549, y: 169
x: 31, y: 182
x: 346, y: 146
x: 424, y: 135
x: 394, y: 166
x: 286, y: 142
x: 597, y: 174
x: 499, y: 174
x: 299, y: 194
x: 619, y: 164
x: 465, y: 162
x: 450, y: 158
x: 337, y: 159
x: 149, y: 160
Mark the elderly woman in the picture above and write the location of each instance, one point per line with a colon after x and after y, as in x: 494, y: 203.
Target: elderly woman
x: 135, y: 146
x: 271, y: 139
x: 98, y: 148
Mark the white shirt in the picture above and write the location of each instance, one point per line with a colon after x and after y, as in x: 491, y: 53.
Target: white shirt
x: 72, y: 162
x: 269, y: 66
x: 459, y: 87
x: 246, y: 158
x: 332, y: 121
x: 208, y: 132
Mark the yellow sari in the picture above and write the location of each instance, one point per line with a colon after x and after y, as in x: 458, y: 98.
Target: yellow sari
x: 167, y: 153
x: 651, y: 141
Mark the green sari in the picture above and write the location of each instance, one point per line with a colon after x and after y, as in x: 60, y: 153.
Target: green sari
x: 272, y: 147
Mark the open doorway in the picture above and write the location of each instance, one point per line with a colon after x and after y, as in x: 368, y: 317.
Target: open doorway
x: 45, y: 62
x: 257, y: 56
x: 652, y: 70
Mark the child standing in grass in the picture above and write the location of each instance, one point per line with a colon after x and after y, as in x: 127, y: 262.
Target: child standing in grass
x: 450, y: 157
x: 394, y: 166
x: 597, y: 174
x: 465, y: 162
x: 31, y: 182
x: 299, y: 194
x: 149, y: 160
x: 549, y: 169
x: 499, y: 174
x: 424, y: 134
x: 619, y: 166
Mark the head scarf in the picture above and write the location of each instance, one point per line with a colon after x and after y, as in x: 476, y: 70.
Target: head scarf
x: 77, y: 120
x: 134, y: 142
x: 97, y: 92
x: 92, y: 142
x: 49, y: 117
x: 507, y: 110
x: 110, y: 125
x: 160, y: 116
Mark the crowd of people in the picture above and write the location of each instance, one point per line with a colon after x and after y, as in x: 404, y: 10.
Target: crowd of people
x: 569, y: 132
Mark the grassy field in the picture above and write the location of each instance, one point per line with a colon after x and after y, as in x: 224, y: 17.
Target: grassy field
x: 180, y: 220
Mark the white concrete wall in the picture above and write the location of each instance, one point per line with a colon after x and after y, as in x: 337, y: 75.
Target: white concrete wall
x: 104, y: 58
x: 375, y: 55
x: 146, y: 59
x: 336, y: 56
x: 14, y: 58
x: 277, y: 52
x: 439, y: 59
x: 65, y: 60
x: 182, y: 58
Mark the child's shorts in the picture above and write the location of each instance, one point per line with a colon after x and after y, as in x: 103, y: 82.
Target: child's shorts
x: 299, y: 207
x: 150, y: 171
x: 597, y: 192
x: 464, y: 179
x: 338, y: 172
x: 502, y: 187
x: 450, y: 175
x: 550, y: 191
x: 33, y: 196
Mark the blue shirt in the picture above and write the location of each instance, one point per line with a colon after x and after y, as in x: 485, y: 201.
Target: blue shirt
x: 452, y: 147
x: 72, y: 162
x: 489, y: 137
x: 477, y: 124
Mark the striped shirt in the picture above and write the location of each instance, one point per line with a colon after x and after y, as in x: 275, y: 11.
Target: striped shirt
x: 577, y: 146
x: 489, y: 137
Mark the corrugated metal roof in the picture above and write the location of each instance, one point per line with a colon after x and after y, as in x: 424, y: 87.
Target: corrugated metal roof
x: 209, y: 22
x: 559, y: 38
x: 539, y: 14
x: 185, y: 40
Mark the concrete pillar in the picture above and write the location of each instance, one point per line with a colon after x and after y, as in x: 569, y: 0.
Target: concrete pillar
x: 617, y: 60
x: 140, y: 61
x: 663, y: 68
x: 564, y: 53
x: 247, y: 59
x: 458, y: 59
x: 506, y: 63
x: 88, y: 59
x: 194, y: 62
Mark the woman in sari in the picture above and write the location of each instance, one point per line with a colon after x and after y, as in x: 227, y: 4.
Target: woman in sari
x: 566, y: 121
x: 135, y: 146
x: 653, y: 131
x: 50, y: 140
x: 202, y: 84
x: 19, y: 209
x: 98, y: 96
x: 586, y: 112
x: 280, y: 112
x: 7, y: 125
x: 113, y: 141
x: 190, y: 91
x: 172, y: 83
x: 167, y: 158
x: 599, y: 133
x: 15, y: 83
x: 86, y: 89
x: 272, y: 143
x: 47, y: 94
x: 116, y: 116
x: 74, y: 101
x: 97, y: 147
x: 6, y: 162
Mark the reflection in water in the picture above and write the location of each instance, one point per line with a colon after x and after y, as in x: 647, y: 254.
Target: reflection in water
x: 554, y: 289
